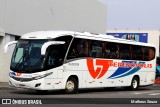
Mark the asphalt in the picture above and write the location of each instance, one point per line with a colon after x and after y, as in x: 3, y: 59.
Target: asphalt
x: 4, y: 85
x: 145, y: 92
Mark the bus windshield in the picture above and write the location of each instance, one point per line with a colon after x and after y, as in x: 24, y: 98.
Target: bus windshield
x: 27, y: 56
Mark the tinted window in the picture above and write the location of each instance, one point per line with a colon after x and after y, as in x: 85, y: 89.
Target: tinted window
x: 151, y: 53
x: 95, y: 49
x: 79, y: 48
x: 137, y: 52
x: 55, y: 56
x: 56, y: 53
x: 125, y: 51
x: 109, y: 50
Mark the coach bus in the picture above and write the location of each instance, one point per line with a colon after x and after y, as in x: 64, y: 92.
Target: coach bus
x: 53, y: 60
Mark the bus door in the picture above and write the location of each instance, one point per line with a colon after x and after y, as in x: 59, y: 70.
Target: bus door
x: 76, y: 60
x: 76, y: 67
x: 54, y: 63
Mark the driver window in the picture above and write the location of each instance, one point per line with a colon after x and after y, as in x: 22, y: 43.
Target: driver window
x: 55, y: 56
x: 52, y: 56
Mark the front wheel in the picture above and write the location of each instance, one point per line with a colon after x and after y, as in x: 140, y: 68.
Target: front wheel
x: 71, y: 86
x: 134, y: 83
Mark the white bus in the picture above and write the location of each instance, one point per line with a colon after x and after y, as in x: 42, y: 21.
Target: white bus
x: 52, y: 60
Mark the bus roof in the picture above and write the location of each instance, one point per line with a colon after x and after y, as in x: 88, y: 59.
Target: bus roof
x: 45, y: 34
x: 85, y: 35
x: 109, y: 38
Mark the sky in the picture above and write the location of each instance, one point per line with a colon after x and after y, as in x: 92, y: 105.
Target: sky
x: 133, y: 14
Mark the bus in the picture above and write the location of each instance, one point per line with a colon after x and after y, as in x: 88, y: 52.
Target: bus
x: 69, y: 61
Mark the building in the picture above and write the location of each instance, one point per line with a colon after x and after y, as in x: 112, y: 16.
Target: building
x: 5, y: 58
x: 22, y: 16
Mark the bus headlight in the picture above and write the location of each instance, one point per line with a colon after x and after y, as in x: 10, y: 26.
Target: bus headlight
x: 42, y: 76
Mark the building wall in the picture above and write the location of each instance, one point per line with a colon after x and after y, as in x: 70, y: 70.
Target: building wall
x: 2, y: 14
x: 5, y: 58
x: 153, y: 36
x: 23, y: 16
x: 2, y: 32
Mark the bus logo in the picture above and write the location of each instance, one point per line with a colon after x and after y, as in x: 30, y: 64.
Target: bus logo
x: 101, y: 67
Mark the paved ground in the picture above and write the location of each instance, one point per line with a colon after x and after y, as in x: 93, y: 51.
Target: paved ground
x: 117, y: 94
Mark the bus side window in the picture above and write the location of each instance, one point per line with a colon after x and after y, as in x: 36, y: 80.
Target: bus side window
x: 79, y: 48
x: 103, y: 49
x: 118, y: 51
x: 110, y: 50
x: 151, y: 53
x: 125, y: 51
x: 86, y: 48
x: 113, y: 53
x: 95, y: 49
x: 83, y: 48
x: 131, y: 54
x: 143, y: 53
x: 146, y: 53
x: 137, y: 52
x: 73, y: 51
x: 107, y: 50
x: 53, y: 56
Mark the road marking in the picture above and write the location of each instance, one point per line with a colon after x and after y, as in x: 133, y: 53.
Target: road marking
x: 155, y: 94
x: 137, y: 93
x: 142, y: 93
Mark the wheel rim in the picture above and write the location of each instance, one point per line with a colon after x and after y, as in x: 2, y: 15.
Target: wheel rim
x: 70, y: 85
x: 135, y: 84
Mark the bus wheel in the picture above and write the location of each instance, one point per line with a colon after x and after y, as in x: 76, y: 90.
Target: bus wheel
x: 134, y: 83
x: 71, y: 86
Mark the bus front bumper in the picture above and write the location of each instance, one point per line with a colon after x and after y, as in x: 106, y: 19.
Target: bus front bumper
x: 35, y: 84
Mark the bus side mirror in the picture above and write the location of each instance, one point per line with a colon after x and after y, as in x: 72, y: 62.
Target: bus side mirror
x: 47, y: 44
x: 8, y: 44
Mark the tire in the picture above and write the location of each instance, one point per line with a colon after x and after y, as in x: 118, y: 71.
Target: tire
x: 134, y: 83
x: 71, y: 86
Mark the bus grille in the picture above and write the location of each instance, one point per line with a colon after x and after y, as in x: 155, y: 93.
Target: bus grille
x: 22, y: 79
